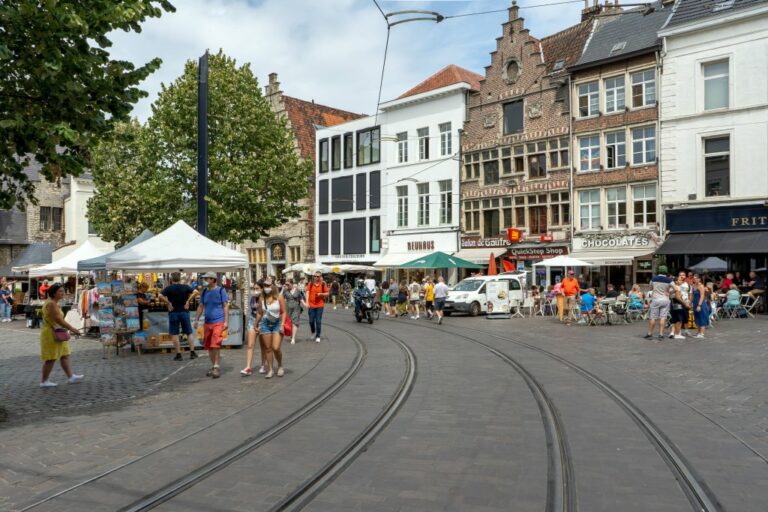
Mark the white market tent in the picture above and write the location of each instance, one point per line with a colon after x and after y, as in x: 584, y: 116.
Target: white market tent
x: 563, y: 261
x: 68, y: 264
x: 712, y: 263
x: 100, y: 262
x: 308, y: 268
x: 178, y: 248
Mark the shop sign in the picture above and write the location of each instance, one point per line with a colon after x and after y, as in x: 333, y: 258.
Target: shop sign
x: 536, y: 253
x: 421, y: 245
x: 644, y: 265
x: 614, y: 241
x: 481, y: 243
x: 514, y: 234
x: 723, y: 218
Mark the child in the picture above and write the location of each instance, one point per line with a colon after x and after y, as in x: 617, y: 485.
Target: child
x: 588, y: 301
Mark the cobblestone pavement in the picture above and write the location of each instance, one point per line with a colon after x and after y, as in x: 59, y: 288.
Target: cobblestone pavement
x: 468, y: 438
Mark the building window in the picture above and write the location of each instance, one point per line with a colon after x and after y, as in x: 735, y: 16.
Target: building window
x: 537, y: 215
x: 354, y: 236
x: 558, y: 153
x: 336, y: 237
x: 589, y: 209
x: 295, y: 253
x: 446, y: 144
x: 560, y: 207
x: 537, y: 165
x: 513, y: 117
x: 589, y: 153
x: 717, y: 166
x: 520, y: 211
x: 491, y: 226
x: 342, y: 196
x: 51, y: 218
x: 644, y: 88
x: 257, y: 255
x: 422, y: 189
x: 361, y: 194
x: 322, y: 238
x: 348, y: 150
x: 644, y: 145
x: 374, y: 228
x: 446, y: 201
x: 322, y: 197
x: 491, y: 172
x: 507, y: 211
x: 615, y: 149
x: 336, y: 153
x: 324, y: 155
x: 588, y: 99
x: 374, y: 187
x: 369, y: 146
x: 617, y: 206
x: 471, y: 215
x: 402, y: 147
x: 614, y: 94
x: 644, y: 205
x: 91, y: 229
x: 715, y: 84
x: 402, y: 206
x: 423, y: 135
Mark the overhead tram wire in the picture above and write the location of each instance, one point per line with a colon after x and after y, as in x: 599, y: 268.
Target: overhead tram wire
x: 480, y: 13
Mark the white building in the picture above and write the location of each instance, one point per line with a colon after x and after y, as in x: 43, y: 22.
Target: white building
x: 388, y: 185
x: 77, y: 229
x: 714, y: 132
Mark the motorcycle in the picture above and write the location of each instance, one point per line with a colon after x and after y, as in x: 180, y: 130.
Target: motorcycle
x: 365, y: 310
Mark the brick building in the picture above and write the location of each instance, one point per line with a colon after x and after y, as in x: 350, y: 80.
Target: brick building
x: 293, y: 242
x: 516, y: 146
x: 614, y: 135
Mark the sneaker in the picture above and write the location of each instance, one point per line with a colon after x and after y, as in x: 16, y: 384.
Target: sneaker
x: 269, y: 374
x: 317, y: 340
x: 280, y: 372
x: 439, y: 320
x: 48, y: 384
x: 699, y: 336
x: 209, y: 373
x: 177, y: 357
x: 417, y: 317
x: 193, y: 355
x: 648, y: 336
x: 671, y: 335
x: 414, y: 317
x: 262, y: 369
x: 74, y: 379
x: 293, y: 341
x: 334, y: 307
x: 246, y: 372
x: 660, y: 337
x: 215, y: 372
x: 679, y: 337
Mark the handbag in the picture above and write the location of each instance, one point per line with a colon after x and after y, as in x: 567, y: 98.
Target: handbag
x: 288, y: 326
x: 60, y: 334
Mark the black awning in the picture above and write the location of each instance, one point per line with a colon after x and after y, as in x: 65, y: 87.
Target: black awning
x: 737, y: 242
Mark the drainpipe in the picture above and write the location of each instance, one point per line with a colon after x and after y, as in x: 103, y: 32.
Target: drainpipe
x: 572, y: 159
x: 660, y: 215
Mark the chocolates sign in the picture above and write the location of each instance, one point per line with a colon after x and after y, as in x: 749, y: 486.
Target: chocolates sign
x: 604, y: 241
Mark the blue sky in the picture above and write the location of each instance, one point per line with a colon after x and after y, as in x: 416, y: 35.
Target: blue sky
x: 329, y: 50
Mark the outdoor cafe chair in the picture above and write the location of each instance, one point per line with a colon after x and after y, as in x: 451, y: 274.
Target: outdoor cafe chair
x: 749, y: 304
x: 528, y: 305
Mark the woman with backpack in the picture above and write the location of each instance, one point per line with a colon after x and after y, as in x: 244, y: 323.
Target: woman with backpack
x: 272, y: 326
x: 294, y: 302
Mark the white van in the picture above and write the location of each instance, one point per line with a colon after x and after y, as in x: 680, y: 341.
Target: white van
x: 469, y: 295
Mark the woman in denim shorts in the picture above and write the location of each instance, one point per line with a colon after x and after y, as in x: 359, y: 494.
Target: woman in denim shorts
x: 271, y: 326
x: 255, y: 312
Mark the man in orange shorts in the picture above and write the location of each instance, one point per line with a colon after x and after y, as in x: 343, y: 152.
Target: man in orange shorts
x: 571, y: 289
x: 215, y: 303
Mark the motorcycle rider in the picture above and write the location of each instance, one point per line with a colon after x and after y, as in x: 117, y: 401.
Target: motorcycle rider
x: 361, y: 292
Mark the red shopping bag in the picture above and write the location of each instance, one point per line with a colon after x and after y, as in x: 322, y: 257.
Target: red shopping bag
x: 288, y: 326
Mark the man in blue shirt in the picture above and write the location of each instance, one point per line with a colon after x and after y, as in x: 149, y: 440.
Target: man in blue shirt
x: 660, y: 287
x: 215, y: 304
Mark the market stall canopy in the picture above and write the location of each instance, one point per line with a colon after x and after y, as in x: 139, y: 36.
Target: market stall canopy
x: 100, y: 262
x: 68, y: 264
x: 395, y: 259
x: 350, y: 267
x: 712, y: 263
x: 308, y: 268
x: 440, y: 259
x: 563, y: 261
x: 177, y: 248
x: 33, y: 255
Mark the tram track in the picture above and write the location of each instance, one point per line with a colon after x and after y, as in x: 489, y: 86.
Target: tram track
x: 695, y: 489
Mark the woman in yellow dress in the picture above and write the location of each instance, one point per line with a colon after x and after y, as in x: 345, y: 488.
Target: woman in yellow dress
x: 50, y: 349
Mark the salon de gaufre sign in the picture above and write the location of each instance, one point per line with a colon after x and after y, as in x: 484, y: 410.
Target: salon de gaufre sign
x: 611, y: 241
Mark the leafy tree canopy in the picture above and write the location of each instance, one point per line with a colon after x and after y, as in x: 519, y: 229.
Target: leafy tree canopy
x: 147, y: 176
x: 59, y: 89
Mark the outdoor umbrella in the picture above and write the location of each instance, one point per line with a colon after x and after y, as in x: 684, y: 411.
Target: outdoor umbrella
x: 563, y: 261
x: 712, y: 263
x: 492, y: 266
x: 439, y: 259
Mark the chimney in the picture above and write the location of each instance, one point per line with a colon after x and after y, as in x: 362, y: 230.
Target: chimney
x: 273, y: 87
x: 590, y: 12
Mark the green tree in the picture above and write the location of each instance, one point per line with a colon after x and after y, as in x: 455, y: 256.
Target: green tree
x: 59, y: 89
x: 256, y: 178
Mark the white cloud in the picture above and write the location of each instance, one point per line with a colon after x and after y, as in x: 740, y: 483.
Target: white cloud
x: 330, y: 50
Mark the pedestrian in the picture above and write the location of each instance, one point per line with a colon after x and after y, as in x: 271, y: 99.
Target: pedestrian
x: 402, y: 299
x: 557, y: 291
x: 393, y: 293
x: 385, y: 298
x: 756, y: 285
x: 272, y: 326
x: 318, y: 292
x: 177, y: 297
x: 685, y: 293
x: 255, y: 312
x: 571, y: 290
x: 346, y: 291
x: 214, y: 302
x: 335, y: 291
x: 679, y: 307
x: 53, y: 338
x: 370, y: 282
x: 429, y: 298
x: 414, y: 291
x: 701, y: 305
x: 441, y: 293
x: 295, y: 300
x: 6, y: 302
x: 43, y: 290
x: 611, y: 292
x: 660, y: 289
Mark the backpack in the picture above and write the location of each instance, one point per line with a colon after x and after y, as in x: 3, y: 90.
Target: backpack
x: 221, y: 295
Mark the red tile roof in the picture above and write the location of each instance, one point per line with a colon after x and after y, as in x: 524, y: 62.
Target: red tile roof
x: 305, y: 115
x: 449, y: 75
x: 566, y: 45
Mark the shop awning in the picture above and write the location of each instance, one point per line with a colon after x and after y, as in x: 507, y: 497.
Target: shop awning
x: 480, y: 255
x: 395, y: 259
x: 611, y: 259
x: 737, y: 242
